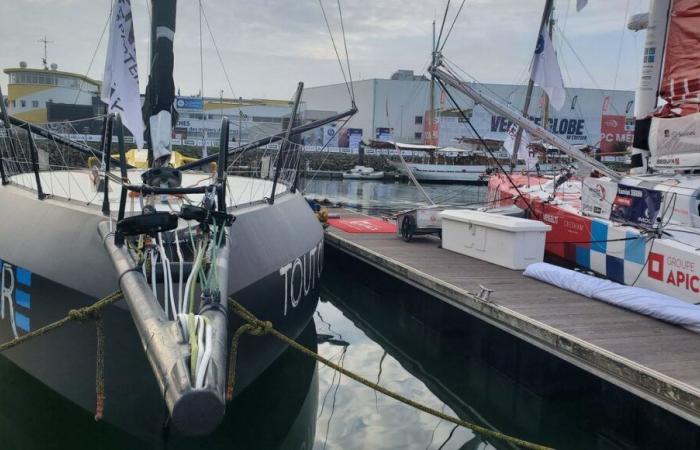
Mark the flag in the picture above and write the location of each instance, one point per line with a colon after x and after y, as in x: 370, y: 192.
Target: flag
x: 580, y: 4
x: 523, y: 150
x: 120, y: 83
x: 546, y: 72
x: 509, y: 142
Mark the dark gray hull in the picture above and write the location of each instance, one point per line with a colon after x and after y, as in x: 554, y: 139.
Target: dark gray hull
x: 275, y: 262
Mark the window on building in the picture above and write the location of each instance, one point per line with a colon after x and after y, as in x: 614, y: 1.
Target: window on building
x: 23, y: 103
x: 418, y: 135
x: 649, y: 54
x: 14, y: 103
x: 419, y: 120
x: 35, y: 103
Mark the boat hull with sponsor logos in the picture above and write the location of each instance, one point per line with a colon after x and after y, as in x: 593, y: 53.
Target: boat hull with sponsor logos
x: 640, y: 231
x: 275, y: 264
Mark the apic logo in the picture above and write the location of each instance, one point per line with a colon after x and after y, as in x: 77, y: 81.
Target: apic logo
x: 681, y: 272
x: 655, y: 266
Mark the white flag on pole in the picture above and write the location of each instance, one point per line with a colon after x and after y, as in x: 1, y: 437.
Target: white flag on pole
x: 523, y: 150
x: 120, y: 83
x: 580, y: 4
x: 546, y: 72
x: 509, y: 142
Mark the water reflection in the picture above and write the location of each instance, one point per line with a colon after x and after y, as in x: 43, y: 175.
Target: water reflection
x: 442, y: 357
x: 405, y: 340
x: 377, y: 197
x: 277, y: 411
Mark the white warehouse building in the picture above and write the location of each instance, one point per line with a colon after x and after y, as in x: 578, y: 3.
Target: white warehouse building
x: 397, y: 108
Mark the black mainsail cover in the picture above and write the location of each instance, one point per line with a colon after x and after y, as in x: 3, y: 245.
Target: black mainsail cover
x: 160, y: 92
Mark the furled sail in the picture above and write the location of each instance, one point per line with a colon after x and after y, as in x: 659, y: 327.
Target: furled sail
x: 158, y: 108
x: 120, y: 84
x: 674, y: 133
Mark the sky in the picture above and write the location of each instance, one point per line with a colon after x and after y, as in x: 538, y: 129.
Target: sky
x: 268, y: 46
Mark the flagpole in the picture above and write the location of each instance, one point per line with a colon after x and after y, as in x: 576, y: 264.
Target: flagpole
x: 530, y: 86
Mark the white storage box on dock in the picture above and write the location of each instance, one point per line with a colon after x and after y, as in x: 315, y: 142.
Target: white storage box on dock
x: 507, y: 241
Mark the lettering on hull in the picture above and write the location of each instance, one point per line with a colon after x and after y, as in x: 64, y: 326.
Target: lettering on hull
x: 15, y: 301
x: 300, y: 276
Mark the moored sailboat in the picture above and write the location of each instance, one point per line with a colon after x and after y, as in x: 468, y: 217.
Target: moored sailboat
x: 638, y: 229
x: 177, y: 241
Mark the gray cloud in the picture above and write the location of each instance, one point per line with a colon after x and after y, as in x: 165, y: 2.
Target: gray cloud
x: 269, y: 45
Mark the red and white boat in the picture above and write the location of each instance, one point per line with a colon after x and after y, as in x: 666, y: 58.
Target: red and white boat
x: 641, y: 229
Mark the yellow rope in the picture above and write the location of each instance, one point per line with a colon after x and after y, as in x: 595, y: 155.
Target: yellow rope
x: 258, y: 327
x: 99, y: 369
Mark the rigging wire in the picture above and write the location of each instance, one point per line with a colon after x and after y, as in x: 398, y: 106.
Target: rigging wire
x: 619, y: 52
x: 447, y: 36
x: 347, y: 57
x: 94, y: 53
x: 335, y: 48
x: 201, y: 55
x: 218, y: 53
x: 442, y: 26
x: 471, y: 125
x: 583, y: 65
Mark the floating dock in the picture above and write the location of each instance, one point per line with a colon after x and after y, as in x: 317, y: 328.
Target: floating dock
x: 651, y: 359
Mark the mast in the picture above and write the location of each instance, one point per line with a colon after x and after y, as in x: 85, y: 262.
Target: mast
x: 431, y: 115
x: 524, y: 123
x: 530, y: 85
x: 545, y: 113
x: 647, y: 93
x: 158, y: 111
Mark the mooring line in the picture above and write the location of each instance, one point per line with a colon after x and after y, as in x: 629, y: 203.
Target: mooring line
x: 257, y: 327
x: 80, y: 315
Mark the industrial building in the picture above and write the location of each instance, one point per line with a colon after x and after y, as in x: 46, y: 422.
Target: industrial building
x: 68, y: 101
x: 397, y: 109
x: 49, y: 95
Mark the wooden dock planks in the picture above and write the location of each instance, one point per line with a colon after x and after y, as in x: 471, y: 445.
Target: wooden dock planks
x: 652, y: 359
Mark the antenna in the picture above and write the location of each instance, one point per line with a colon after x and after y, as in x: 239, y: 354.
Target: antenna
x: 45, y: 59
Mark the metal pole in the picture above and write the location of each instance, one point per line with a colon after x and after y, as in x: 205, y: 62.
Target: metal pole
x: 223, y: 164
x: 270, y: 139
x: 122, y: 163
x: 34, y: 154
x: 240, y: 119
x: 106, y: 147
x: 530, y: 85
x: 545, y: 114
x: 8, y: 129
x: 285, y: 143
x: 82, y: 148
x: 525, y: 123
x: 3, y: 177
x: 428, y: 139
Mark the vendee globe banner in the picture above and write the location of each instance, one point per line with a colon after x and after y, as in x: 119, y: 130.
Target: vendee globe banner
x: 636, y: 205
x: 597, y: 197
x: 120, y: 83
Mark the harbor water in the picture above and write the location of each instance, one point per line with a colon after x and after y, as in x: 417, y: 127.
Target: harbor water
x: 394, y: 335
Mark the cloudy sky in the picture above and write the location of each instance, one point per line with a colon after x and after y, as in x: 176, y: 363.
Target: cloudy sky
x: 268, y: 46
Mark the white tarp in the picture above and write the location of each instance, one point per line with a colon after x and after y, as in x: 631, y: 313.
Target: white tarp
x: 643, y: 301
